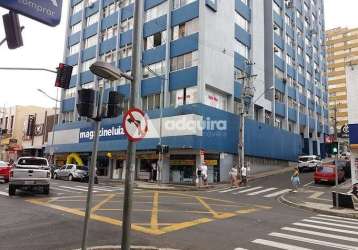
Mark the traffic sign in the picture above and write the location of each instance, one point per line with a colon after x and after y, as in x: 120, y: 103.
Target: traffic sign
x: 44, y: 11
x: 135, y: 124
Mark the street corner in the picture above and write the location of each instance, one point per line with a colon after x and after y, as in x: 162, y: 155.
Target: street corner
x: 154, y: 212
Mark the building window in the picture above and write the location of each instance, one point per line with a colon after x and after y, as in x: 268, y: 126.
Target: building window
x: 89, y: 85
x: 242, y: 22
x: 279, y: 74
x: 155, y: 40
x: 184, y: 96
x: 74, y: 69
x: 242, y: 49
x: 151, y: 102
x: 181, y: 3
x: 291, y: 102
x: 268, y: 117
x: 279, y: 96
x: 92, y: 19
x: 290, y: 41
x: 108, y: 57
x: 291, y: 126
x: 67, y: 117
x: 302, y: 109
x: 76, y: 28
x: 278, y: 31
x: 185, y: 29
x: 215, y: 99
x: 154, y: 69
x: 87, y: 64
x: 90, y: 41
x: 77, y: 7
x: 74, y: 49
x: 127, y: 25
x: 110, y: 9
x: 278, y: 122
x: 70, y: 92
x: 184, y: 61
x: 276, y: 8
x: 125, y: 51
x: 156, y: 11
x: 299, y: 51
x: 289, y: 60
x: 109, y: 33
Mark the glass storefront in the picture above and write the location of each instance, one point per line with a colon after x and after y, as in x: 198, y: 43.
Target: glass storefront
x: 182, y: 168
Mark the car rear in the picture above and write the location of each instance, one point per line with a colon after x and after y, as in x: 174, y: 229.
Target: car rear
x: 325, y: 173
x: 80, y: 172
x: 4, y: 171
x: 308, y: 163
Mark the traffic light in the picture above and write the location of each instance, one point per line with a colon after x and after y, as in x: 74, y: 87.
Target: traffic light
x: 86, y: 102
x: 12, y: 30
x: 334, y: 148
x: 63, y: 77
x: 114, y: 104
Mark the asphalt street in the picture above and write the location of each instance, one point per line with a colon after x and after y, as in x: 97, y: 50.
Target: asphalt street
x: 221, y: 218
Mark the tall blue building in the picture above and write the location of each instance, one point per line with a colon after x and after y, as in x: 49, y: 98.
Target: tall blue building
x: 198, y: 51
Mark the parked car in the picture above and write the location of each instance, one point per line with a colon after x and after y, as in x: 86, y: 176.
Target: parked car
x: 53, y: 168
x: 308, y: 162
x: 86, y: 178
x: 4, y: 171
x: 29, y: 173
x: 71, y: 172
x: 327, y: 173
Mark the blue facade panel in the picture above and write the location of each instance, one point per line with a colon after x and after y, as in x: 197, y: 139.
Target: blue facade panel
x: 90, y: 10
x: 151, y: 86
x: 279, y: 41
x: 310, y: 104
x: 154, y: 55
x: 68, y: 105
x: 72, y: 60
x: 125, y: 64
x: 291, y: 92
x: 279, y: 85
x: 127, y: 12
x: 292, y: 114
x: 291, y: 72
x: 154, y: 26
x: 278, y: 20
x: 237, y: 89
x: 185, y: 13
x: 74, y: 39
x: 107, y: 45
x: 279, y: 63
x: 86, y: 77
x: 124, y: 90
x: 148, y: 4
x: 301, y: 79
x: 290, y: 32
x: 90, y: 31
x: 126, y: 38
x: 303, y: 119
x: 302, y: 99
x: 243, y: 10
x: 73, y: 81
x: 279, y: 3
x: 89, y: 53
x: 183, y: 78
x: 242, y: 36
x: 280, y: 109
x: 301, y: 61
x: 312, y: 124
x: 300, y: 41
x: 240, y: 63
x: 184, y: 45
x: 76, y: 18
x: 318, y: 92
x: 262, y: 140
x: 109, y: 21
x: 290, y: 51
x: 353, y: 133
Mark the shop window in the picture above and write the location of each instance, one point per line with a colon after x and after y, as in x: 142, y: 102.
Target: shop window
x: 151, y: 102
x: 184, y: 96
x: 155, y: 40
x: 215, y: 99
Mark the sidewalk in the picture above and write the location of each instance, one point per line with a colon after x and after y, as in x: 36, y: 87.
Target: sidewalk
x: 188, y: 187
x: 132, y: 248
x: 318, y: 200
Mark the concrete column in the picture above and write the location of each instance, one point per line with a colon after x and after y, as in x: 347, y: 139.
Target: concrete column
x: 225, y: 165
x: 166, y: 169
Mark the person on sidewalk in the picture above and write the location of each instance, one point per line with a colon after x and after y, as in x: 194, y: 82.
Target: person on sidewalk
x: 233, y: 176
x: 243, y: 175
x: 154, y: 167
x: 198, y: 176
x: 204, y: 174
x: 295, y: 179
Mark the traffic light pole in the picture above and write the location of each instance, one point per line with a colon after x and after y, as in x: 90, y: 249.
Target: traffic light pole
x: 336, y: 155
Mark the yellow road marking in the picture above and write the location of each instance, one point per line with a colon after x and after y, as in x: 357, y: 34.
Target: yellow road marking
x: 161, y: 210
x: 186, y: 224
x: 154, y: 217
x: 100, y: 204
x: 247, y: 211
x: 213, y: 212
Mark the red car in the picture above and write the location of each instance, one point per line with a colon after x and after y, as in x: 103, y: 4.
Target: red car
x: 4, y: 171
x: 327, y: 173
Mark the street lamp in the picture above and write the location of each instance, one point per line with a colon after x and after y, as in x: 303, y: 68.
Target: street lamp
x: 54, y: 120
x: 108, y: 71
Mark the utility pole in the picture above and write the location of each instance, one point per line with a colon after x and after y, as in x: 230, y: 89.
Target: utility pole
x: 336, y: 155
x: 247, y: 94
x: 131, y: 157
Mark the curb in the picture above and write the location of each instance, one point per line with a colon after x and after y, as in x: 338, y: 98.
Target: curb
x: 287, y: 202
x: 132, y: 248
x: 176, y: 188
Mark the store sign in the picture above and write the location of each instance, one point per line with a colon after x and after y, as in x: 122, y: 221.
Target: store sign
x: 182, y: 162
x: 111, y: 132
x: 39, y: 129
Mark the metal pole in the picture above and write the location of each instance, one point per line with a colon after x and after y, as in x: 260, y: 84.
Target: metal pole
x: 160, y: 156
x: 130, y: 168
x: 90, y: 183
x: 53, y: 130
x: 31, y: 69
x: 336, y: 156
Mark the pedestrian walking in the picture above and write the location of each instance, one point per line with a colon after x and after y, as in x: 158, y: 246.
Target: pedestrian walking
x: 244, y: 175
x: 295, y: 179
x: 233, y: 176
x: 204, y: 174
x: 154, y: 167
x: 198, y: 176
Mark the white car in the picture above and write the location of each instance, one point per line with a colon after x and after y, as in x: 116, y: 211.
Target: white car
x: 308, y: 162
x: 29, y: 173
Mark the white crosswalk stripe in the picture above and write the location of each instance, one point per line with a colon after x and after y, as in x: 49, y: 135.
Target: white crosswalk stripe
x: 77, y: 189
x: 262, y: 191
x: 229, y: 190
x: 247, y: 190
x: 4, y: 193
x: 319, y: 231
x: 278, y: 193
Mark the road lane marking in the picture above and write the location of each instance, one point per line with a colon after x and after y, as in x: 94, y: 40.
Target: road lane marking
x: 307, y: 184
x: 278, y: 193
x: 262, y: 191
x: 101, y: 203
x: 94, y: 188
x: 4, y: 193
x: 247, y: 190
x: 337, y: 217
x: 334, y: 220
x: 278, y: 245
x: 154, y: 216
x: 65, y: 190
x: 228, y: 190
x: 329, y: 224
x: 78, y: 189
x: 218, y: 189
x: 313, y: 241
x: 215, y: 214
x: 333, y: 236
x: 326, y: 228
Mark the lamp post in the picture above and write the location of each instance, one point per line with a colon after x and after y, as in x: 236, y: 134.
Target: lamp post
x: 54, y: 121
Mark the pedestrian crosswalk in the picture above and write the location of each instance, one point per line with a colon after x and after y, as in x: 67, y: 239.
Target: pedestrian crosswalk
x: 267, y: 192
x: 316, y: 232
